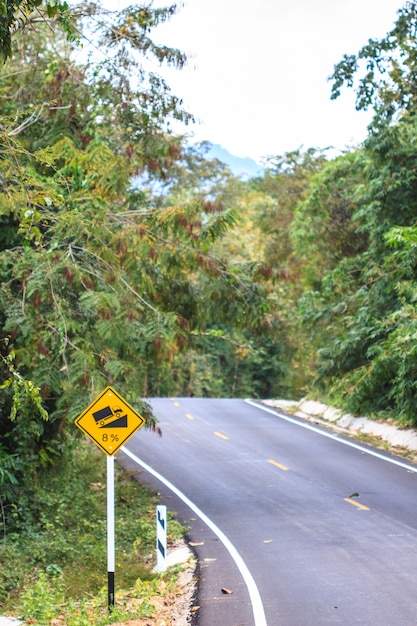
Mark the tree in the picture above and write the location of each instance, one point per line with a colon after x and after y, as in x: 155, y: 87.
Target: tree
x: 388, y: 69
x: 100, y: 282
x: 285, y: 184
x: 277, y: 197
x: 363, y: 310
x: 226, y: 360
x: 324, y: 230
x: 108, y: 93
x: 18, y: 15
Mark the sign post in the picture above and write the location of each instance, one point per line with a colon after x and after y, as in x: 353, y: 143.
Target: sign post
x: 110, y: 422
x: 110, y: 531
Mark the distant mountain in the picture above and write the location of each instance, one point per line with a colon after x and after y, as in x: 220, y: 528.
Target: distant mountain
x: 241, y: 167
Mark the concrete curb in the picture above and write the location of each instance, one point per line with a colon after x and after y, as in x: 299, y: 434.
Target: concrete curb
x: 405, y: 438
x: 176, y: 556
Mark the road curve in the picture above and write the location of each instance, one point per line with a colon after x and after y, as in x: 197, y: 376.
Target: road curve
x: 327, y: 532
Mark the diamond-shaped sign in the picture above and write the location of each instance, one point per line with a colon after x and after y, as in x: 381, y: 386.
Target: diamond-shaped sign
x: 109, y: 421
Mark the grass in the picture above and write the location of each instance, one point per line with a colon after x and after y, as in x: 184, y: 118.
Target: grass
x: 55, y: 566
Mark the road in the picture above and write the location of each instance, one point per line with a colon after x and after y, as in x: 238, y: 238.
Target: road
x: 327, y: 532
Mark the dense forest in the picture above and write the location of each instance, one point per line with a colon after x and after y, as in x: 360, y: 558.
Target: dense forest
x: 129, y: 258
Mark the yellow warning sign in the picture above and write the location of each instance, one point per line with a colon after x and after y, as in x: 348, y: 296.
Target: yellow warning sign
x: 109, y: 421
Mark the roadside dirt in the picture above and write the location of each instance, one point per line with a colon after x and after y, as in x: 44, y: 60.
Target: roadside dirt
x: 173, y: 609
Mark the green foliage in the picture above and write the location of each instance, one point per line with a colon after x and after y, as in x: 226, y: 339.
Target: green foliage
x: 41, y: 599
x: 387, y: 68
x: 17, y: 15
x: 363, y: 313
x: 277, y: 211
x: 102, y: 282
x: 22, y: 390
x: 324, y: 230
x: 63, y: 538
x: 111, y: 96
x: 285, y: 185
x: 354, y: 233
x: 219, y: 365
x: 225, y: 360
x: 57, y: 567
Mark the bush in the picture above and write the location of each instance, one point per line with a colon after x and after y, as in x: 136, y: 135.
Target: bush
x: 59, y: 553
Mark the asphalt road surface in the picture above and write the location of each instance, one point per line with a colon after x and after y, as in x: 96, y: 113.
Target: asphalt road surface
x: 303, y: 528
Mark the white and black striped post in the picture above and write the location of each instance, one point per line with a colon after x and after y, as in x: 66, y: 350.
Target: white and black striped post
x: 110, y: 531
x: 161, y: 537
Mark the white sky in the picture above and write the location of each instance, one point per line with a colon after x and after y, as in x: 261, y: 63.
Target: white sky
x: 257, y: 75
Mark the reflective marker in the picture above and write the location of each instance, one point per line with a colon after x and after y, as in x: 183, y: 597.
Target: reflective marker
x: 161, y: 537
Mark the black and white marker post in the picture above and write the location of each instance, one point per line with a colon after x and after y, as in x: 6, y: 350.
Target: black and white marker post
x: 161, y: 537
x: 110, y: 531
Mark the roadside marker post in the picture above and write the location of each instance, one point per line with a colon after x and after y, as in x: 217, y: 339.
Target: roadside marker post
x: 161, y: 537
x: 110, y: 422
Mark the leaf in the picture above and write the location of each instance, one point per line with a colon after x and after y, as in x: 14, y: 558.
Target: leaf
x: 52, y: 10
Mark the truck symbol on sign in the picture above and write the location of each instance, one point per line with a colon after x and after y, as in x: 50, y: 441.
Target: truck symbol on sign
x: 110, y: 418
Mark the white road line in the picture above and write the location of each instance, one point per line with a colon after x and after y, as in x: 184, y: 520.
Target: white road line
x: 323, y: 433
x: 257, y: 606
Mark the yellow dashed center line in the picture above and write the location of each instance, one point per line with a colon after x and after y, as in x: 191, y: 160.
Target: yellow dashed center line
x: 176, y: 403
x: 189, y: 416
x: 221, y: 435
x: 358, y: 504
x: 283, y: 467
